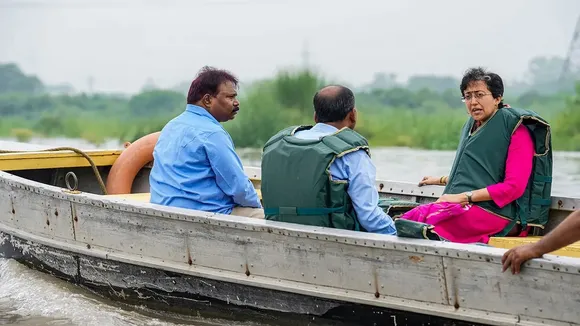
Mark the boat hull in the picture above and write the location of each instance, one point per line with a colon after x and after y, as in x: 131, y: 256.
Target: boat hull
x: 186, y: 294
x: 124, y: 249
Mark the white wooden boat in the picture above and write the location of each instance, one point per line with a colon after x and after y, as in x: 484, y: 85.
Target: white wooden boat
x: 126, y: 249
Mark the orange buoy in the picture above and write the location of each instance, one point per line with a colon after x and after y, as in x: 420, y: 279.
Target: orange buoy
x: 129, y: 163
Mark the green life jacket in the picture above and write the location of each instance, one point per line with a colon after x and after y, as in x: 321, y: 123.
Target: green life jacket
x: 480, y: 161
x: 297, y: 186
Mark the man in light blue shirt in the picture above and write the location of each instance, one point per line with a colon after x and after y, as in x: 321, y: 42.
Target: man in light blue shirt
x: 195, y: 163
x: 334, y: 108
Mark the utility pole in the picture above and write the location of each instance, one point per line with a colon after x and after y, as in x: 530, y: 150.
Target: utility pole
x: 91, y: 84
x: 572, y: 61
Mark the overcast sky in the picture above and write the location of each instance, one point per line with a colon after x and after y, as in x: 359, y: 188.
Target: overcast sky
x: 123, y: 43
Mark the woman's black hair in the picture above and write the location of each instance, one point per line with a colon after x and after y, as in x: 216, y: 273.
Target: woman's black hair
x: 492, y: 80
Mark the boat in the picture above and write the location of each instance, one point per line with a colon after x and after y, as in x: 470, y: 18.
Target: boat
x: 57, y: 217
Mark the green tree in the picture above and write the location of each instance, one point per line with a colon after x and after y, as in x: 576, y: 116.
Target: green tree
x: 296, y: 89
x: 434, y: 83
x: 566, y: 125
x: 381, y: 80
x: 156, y: 102
x: 13, y: 80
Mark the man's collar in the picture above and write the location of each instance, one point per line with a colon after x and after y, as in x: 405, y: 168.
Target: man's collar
x: 196, y: 109
x: 324, y: 127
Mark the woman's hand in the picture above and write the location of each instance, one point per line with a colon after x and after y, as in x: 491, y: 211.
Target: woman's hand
x: 454, y: 198
x: 429, y: 180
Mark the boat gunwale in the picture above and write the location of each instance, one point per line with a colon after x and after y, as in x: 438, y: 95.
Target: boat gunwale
x: 38, y: 159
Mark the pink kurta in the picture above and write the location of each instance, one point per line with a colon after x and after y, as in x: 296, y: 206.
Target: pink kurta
x: 472, y: 224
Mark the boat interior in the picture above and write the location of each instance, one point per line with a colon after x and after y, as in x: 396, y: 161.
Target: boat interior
x: 71, y: 170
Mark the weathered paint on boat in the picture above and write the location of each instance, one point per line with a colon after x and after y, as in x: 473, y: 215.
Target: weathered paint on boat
x: 177, y: 259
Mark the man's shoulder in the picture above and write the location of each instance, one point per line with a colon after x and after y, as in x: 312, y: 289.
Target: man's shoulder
x: 354, y: 161
x: 280, y: 135
x: 292, y: 130
x: 352, y: 137
x: 351, y: 165
x: 361, y: 154
x: 209, y: 138
x: 217, y: 134
x: 194, y: 129
x: 179, y: 136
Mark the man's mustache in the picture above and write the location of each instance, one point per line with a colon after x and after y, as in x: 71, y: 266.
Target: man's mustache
x: 236, y: 109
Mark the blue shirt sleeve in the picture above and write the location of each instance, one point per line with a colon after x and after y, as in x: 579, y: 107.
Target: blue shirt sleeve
x: 361, y: 174
x: 229, y: 171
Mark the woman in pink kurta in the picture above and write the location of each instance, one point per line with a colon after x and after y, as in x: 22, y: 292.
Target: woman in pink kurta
x: 451, y: 215
x: 469, y: 223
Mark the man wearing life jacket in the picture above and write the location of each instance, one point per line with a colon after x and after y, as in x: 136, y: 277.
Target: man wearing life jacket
x: 195, y: 163
x: 500, y: 180
x: 323, y: 175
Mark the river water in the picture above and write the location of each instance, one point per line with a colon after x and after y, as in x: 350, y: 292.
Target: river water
x: 28, y: 297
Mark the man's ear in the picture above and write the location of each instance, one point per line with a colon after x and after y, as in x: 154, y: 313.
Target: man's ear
x: 206, y: 100
x: 315, y: 118
x: 352, y: 115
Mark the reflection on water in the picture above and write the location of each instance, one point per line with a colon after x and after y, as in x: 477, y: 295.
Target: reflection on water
x: 28, y: 297
x: 32, y: 298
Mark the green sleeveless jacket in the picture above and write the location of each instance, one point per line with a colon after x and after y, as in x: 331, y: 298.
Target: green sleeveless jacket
x: 480, y: 161
x: 296, y: 183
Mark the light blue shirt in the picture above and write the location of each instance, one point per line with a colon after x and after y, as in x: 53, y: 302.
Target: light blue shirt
x: 359, y: 170
x: 195, y: 166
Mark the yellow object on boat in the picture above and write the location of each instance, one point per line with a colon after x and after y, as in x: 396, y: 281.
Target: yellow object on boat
x: 54, y: 160
x: 572, y: 250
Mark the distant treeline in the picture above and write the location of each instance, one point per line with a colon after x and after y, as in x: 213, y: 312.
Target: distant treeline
x: 428, y: 118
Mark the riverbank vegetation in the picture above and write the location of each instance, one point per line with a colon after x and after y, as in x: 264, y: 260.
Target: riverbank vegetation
x: 425, y: 113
